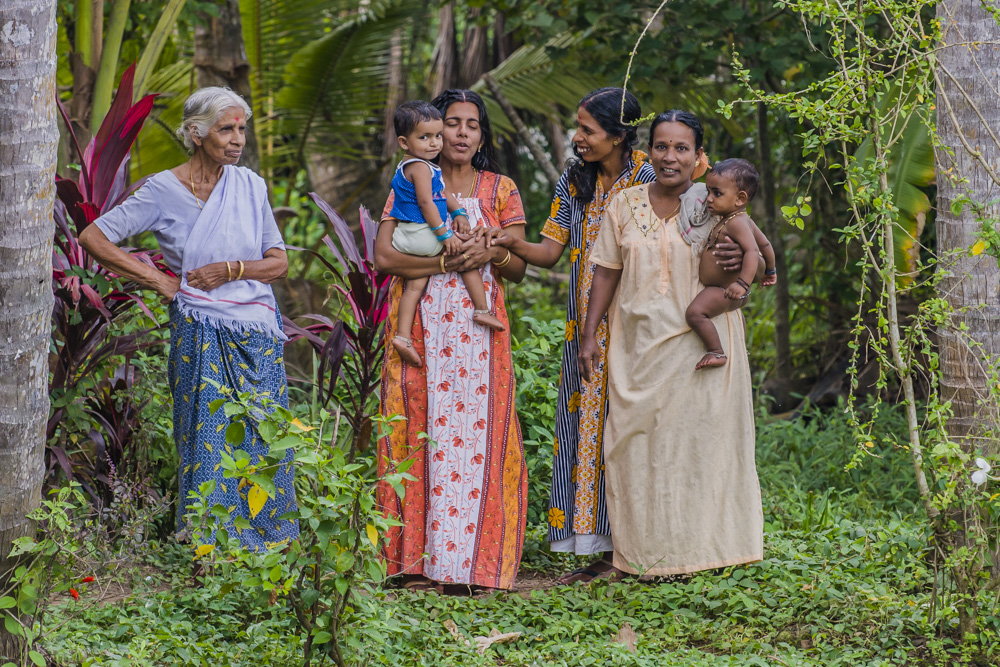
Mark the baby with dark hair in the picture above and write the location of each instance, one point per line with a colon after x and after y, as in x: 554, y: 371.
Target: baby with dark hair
x: 421, y: 207
x: 731, y: 185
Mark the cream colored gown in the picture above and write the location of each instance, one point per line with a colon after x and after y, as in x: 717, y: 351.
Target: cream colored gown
x: 681, y: 480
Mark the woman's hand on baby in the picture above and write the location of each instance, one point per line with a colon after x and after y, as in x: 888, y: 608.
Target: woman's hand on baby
x: 210, y: 276
x: 495, y: 236
x: 588, y: 357
x: 728, y: 254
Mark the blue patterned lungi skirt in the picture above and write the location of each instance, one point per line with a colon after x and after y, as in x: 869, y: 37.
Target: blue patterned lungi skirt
x: 243, y: 361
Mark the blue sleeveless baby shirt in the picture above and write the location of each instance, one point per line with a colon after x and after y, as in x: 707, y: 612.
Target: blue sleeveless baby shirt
x: 404, y: 206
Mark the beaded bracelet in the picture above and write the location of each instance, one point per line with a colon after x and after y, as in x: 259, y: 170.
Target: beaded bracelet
x: 459, y: 211
x: 447, y: 235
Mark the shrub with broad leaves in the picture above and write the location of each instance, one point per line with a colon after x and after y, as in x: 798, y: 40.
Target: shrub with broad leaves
x: 89, y: 299
x: 366, y: 291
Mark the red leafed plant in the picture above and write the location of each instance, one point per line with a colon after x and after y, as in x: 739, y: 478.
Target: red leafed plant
x: 366, y: 291
x: 88, y: 297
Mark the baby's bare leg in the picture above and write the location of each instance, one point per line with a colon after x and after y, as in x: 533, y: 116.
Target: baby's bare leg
x: 477, y: 292
x: 407, y: 312
x: 710, y: 302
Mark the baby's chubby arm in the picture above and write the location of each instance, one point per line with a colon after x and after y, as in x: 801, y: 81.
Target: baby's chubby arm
x: 461, y: 221
x: 768, y: 252
x: 740, y: 229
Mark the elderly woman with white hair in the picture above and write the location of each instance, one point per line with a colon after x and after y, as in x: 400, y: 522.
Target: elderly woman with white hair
x: 218, y: 235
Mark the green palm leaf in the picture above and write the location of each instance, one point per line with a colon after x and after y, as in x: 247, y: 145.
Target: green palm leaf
x: 531, y: 79
x: 335, y: 87
x: 158, y: 147
x: 911, y: 167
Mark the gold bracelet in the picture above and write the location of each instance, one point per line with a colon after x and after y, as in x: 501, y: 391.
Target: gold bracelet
x: 241, y: 270
x: 229, y: 270
x: 443, y: 270
x: 504, y: 262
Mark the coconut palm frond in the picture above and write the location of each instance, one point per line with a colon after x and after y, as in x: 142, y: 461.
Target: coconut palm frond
x: 335, y: 87
x: 911, y: 168
x: 158, y: 147
x: 531, y: 79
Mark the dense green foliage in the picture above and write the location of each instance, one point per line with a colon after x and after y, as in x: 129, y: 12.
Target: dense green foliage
x: 846, y: 580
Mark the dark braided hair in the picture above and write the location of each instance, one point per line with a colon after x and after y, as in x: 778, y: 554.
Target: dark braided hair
x: 485, y: 158
x: 605, y: 105
x: 678, y: 116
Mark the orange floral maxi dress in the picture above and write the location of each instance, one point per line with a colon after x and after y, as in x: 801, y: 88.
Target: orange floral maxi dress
x: 464, y: 516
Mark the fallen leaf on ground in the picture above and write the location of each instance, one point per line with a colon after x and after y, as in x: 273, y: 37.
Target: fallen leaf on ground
x: 453, y: 629
x: 483, y: 643
x: 627, y: 637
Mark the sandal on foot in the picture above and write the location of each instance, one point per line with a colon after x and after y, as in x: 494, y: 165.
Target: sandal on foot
x: 420, y: 585
x: 584, y: 571
x: 404, y: 346
x: 487, y: 319
x: 614, y: 575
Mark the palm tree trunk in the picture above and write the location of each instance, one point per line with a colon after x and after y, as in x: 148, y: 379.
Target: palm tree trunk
x: 28, y: 145
x: 475, y: 47
x: 394, y: 97
x: 445, y: 55
x: 967, y: 115
x: 966, y: 112
x: 220, y: 59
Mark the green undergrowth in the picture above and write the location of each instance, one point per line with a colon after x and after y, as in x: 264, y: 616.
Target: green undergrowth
x: 846, y: 581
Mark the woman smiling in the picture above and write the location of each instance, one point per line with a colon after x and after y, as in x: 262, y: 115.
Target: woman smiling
x: 682, y: 487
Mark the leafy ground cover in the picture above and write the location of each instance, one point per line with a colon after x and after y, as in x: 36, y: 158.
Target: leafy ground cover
x: 846, y: 581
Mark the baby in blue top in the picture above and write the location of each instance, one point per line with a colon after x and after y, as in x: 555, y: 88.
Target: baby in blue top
x: 421, y: 209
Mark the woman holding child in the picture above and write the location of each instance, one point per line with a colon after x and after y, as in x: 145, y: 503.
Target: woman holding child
x: 463, y: 517
x: 682, y: 490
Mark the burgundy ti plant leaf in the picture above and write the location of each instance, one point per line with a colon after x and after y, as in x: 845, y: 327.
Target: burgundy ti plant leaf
x: 88, y: 297
x: 366, y: 292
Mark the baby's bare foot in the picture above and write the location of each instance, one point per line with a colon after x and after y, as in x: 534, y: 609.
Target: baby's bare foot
x: 487, y: 319
x: 406, y: 352
x: 711, y: 358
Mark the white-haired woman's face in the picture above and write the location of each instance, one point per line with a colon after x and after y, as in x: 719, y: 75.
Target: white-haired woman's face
x: 225, y: 140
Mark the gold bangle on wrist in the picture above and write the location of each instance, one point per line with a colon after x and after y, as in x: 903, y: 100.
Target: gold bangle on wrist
x: 443, y: 270
x: 229, y: 270
x: 241, y: 270
x: 504, y: 262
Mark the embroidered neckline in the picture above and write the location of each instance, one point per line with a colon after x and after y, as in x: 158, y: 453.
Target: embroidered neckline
x: 642, y: 211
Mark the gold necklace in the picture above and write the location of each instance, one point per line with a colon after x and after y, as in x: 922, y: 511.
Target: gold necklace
x: 195, y: 194
x: 475, y: 178
x: 719, y: 226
